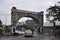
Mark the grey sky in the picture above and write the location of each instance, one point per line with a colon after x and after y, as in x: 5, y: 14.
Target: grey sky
x: 32, y: 5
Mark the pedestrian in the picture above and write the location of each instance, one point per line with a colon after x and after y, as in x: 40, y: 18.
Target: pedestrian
x: 32, y: 31
x: 38, y: 30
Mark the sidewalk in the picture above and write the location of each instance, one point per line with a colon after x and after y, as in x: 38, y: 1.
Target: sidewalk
x: 55, y: 38
x: 7, y: 34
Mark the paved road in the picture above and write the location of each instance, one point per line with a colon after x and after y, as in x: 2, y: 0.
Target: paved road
x: 20, y: 37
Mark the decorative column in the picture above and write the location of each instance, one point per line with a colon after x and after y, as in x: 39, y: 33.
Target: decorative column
x: 13, y: 19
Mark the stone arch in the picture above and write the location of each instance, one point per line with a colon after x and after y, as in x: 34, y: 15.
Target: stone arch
x: 16, y: 14
x: 34, y: 19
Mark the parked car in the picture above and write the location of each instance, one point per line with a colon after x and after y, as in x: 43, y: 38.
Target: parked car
x: 20, y: 32
x: 28, y: 33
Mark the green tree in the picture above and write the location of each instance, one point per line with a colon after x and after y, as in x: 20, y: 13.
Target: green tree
x: 7, y: 29
x: 0, y: 23
x: 1, y: 30
x: 24, y: 26
x: 53, y: 11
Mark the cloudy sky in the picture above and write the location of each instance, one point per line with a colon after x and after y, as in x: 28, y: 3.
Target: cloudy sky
x: 31, y: 5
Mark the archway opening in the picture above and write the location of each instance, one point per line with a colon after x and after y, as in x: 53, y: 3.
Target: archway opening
x: 26, y: 23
